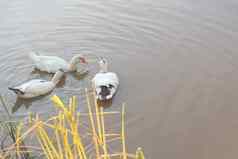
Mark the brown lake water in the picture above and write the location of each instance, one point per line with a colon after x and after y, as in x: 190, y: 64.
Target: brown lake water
x: 177, y: 61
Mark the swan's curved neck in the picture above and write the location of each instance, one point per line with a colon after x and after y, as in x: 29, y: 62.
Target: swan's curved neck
x: 72, y: 64
x: 56, y: 78
x: 103, y: 67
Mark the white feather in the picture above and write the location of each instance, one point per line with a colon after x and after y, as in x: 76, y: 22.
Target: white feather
x: 52, y: 64
x: 37, y: 87
x: 104, y: 78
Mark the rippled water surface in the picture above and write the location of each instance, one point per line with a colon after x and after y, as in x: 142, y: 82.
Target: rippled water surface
x: 176, y: 59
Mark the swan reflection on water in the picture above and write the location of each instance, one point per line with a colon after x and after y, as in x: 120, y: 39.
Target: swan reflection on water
x: 105, y: 103
x: 78, y: 75
x: 26, y: 102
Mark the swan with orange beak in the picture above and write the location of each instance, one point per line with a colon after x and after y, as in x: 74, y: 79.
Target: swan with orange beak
x: 52, y: 64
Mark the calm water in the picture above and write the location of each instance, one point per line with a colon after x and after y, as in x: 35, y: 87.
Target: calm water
x: 176, y: 59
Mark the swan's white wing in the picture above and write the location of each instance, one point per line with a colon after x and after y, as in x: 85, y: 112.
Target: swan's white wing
x: 52, y: 58
x: 36, y: 87
x: 50, y: 63
x: 104, y: 79
x: 105, y: 82
x: 23, y: 87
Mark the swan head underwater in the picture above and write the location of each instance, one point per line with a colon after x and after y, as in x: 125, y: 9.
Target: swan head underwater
x: 37, y: 87
x: 57, y: 77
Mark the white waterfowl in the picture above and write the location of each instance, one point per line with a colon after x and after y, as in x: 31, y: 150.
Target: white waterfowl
x: 52, y: 64
x: 105, y: 83
x: 37, y: 87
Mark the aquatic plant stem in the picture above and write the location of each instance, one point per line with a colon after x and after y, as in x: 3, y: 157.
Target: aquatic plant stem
x: 123, y: 132
x: 92, y: 125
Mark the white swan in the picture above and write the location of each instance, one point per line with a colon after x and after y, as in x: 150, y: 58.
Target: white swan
x: 52, y: 64
x: 37, y: 87
x: 105, y: 83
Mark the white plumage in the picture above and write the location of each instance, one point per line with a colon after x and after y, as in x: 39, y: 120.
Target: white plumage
x: 105, y: 83
x: 37, y: 87
x: 52, y: 64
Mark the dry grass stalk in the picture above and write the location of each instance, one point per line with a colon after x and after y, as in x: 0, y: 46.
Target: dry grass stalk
x: 59, y: 136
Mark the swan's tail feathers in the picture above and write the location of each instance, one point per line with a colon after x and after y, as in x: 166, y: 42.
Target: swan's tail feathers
x: 33, y: 55
x: 15, y: 90
x: 104, y: 92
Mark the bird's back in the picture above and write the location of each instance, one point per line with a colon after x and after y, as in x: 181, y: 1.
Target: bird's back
x: 104, y: 79
x: 36, y: 87
x: 50, y: 64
